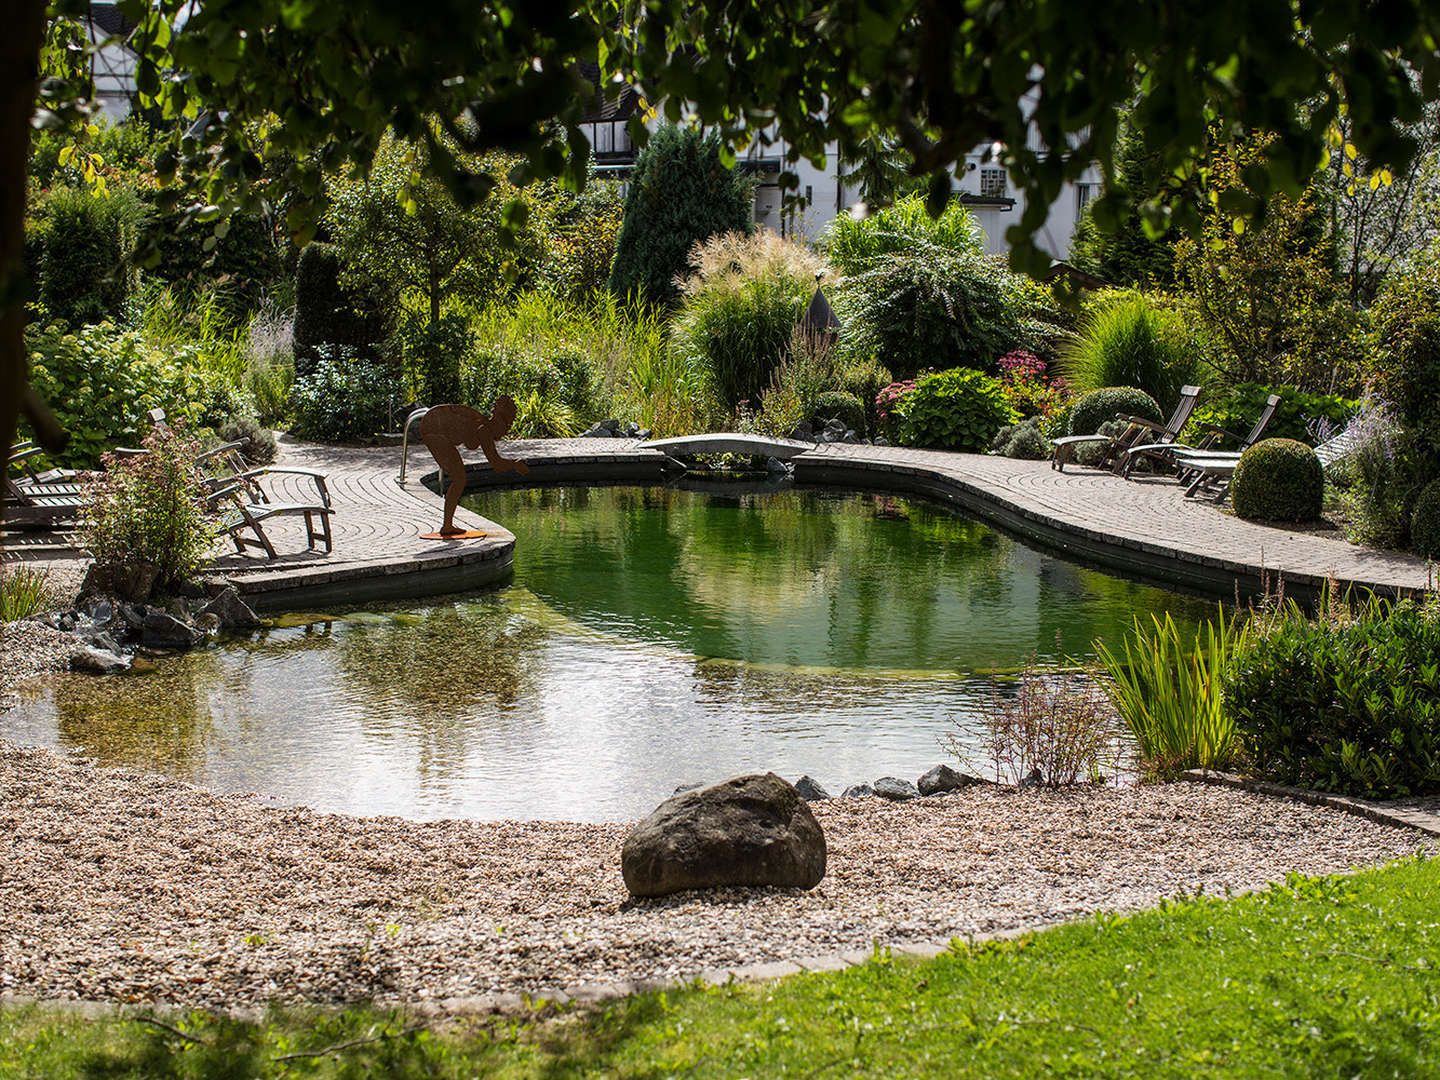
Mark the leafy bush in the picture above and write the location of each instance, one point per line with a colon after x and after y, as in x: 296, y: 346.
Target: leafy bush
x: 865, y: 380
x: 838, y: 405
x: 541, y: 416
x: 345, y: 397
x: 1022, y: 373
x: 329, y: 313
x: 84, y: 239
x: 1172, y: 695
x: 101, y: 383
x: 561, y: 391
x: 1344, y: 703
x: 258, y: 443
x: 680, y: 194
x: 246, y: 259
x: 1025, y: 440
x: 953, y: 410
x: 1377, y: 476
x: 1278, y: 480
x: 930, y: 307
x: 1130, y: 342
x: 803, y: 376
x: 740, y: 306
x: 855, y: 244
x: 888, y: 402
x: 433, y: 352
x: 1425, y: 522
x: 1099, y: 407
x: 581, y: 246
x: 1239, y: 406
x: 146, y: 512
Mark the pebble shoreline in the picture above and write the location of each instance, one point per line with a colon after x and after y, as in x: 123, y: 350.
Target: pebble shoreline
x: 133, y: 888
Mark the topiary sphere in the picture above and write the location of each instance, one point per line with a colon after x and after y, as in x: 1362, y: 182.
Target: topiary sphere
x: 838, y: 405
x: 1100, y: 406
x: 1278, y: 480
x: 1425, y: 522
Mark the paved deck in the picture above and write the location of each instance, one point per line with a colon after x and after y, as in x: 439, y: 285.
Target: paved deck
x: 1144, y: 526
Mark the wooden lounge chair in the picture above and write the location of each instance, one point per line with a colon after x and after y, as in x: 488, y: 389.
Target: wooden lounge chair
x: 1166, y: 451
x: 242, y: 520
x: 1137, y: 428
x: 1205, y: 468
x: 31, y: 505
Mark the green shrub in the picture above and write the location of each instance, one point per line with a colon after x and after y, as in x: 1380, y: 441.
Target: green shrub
x: 433, y: 353
x: 865, y: 380
x: 101, y: 383
x: 1099, y: 407
x: 854, y: 245
x: 1278, y: 480
x: 1025, y: 440
x: 146, y: 511
x: 740, y: 306
x: 680, y: 194
x: 838, y: 405
x: 1239, y: 406
x: 1349, y: 704
x: 930, y: 307
x: 538, y: 416
x: 246, y: 259
x: 328, y: 313
x: 1425, y: 522
x: 1131, y: 342
x: 82, y: 273
x: 345, y: 397
x: 1172, y: 695
x: 257, y: 443
x: 960, y: 409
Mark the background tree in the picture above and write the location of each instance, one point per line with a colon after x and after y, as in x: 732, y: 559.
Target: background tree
x: 681, y: 194
x: 1267, y: 291
x: 1041, y: 77
x: 1127, y: 254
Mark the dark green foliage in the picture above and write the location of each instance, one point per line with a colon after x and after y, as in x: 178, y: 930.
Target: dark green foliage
x: 931, y: 308
x: 1425, y: 522
x: 1405, y: 360
x: 680, y: 194
x: 1126, y: 255
x: 1024, y: 440
x: 1130, y: 340
x: 961, y: 409
x: 1101, y: 406
x: 1278, y: 480
x: 330, y: 314
x: 570, y: 382
x: 865, y: 380
x: 1348, y: 704
x: 1241, y: 405
x: 83, y: 276
x: 344, y: 397
x: 838, y: 405
x: 432, y: 353
x: 257, y: 443
x: 246, y: 262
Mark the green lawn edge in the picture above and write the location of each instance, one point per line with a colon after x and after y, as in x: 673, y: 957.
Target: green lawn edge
x: 1328, y: 976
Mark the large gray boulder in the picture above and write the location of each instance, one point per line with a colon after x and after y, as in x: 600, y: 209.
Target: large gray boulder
x: 161, y: 631
x: 752, y: 830
x: 896, y: 789
x: 233, y: 613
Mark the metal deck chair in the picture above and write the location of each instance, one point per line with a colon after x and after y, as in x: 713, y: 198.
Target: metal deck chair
x: 1137, y: 428
x: 1167, y: 452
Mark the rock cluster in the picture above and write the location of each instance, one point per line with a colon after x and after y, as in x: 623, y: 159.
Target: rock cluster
x: 615, y: 429
x: 108, y: 631
x: 834, y: 431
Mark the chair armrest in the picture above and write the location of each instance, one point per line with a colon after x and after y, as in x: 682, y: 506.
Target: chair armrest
x: 17, y: 454
x: 1141, y: 422
x: 276, y: 470
x: 222, y: 448
x: 1218, y: 430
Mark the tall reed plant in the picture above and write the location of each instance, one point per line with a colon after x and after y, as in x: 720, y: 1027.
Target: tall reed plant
x: 1170, y: 692
x: 24, y: 591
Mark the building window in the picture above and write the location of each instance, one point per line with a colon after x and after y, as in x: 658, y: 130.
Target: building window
x: 1084, y: 193
x: 604, y: 138
x: 992, y: 183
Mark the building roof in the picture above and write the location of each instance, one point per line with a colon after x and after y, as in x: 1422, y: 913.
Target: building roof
x: 621, y: 108
x: 108, y: 19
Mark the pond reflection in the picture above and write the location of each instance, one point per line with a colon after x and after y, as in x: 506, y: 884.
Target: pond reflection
x: 652, y: 637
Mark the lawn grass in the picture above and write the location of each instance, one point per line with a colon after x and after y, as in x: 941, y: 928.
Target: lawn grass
x: 1319, y: 977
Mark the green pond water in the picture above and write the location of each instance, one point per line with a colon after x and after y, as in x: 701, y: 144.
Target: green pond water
x: 651, y: 637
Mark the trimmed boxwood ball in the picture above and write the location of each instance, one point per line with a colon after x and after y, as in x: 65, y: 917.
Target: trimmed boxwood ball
x: 1100, y: 406
x: 1278, y: 480
x: 1425, y: 522
x: 838, y: 405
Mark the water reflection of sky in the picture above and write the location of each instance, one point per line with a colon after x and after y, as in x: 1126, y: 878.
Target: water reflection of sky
x: 651, y: 639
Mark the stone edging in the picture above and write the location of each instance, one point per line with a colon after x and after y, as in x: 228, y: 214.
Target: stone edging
x: 1383, y: 813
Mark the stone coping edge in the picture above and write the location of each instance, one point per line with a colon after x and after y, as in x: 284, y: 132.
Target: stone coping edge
x: 582, y: 995
x: 1371, y: 809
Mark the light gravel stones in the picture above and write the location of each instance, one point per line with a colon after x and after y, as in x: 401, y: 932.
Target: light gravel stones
x: 135, y: 888
x: 28, y: 648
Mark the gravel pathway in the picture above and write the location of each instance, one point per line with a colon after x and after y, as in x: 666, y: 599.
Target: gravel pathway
x: 126, y: 887
x: 27, y: 649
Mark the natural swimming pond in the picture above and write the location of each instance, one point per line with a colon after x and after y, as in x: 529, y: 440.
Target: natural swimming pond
x: 651, y: 637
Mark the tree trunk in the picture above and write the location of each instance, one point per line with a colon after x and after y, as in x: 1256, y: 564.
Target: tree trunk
x: 19, y: 63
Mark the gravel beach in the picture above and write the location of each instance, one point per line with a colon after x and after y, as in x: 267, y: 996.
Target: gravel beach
x: 27, y: 649
x: 124, y: 887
